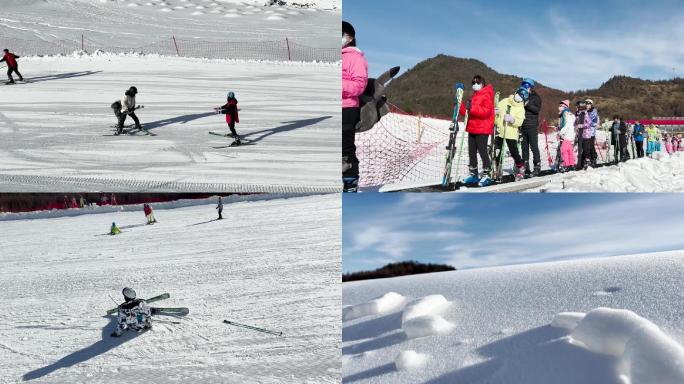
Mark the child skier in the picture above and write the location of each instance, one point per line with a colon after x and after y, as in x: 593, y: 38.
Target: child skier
x: 231, y: 111
x: 566, y: 125
x: 668, y: 143
x: 220, y: 208
x: 149, y: 214
x: 12, y: 65
x: 114, y: 230
x: 509, y: 117
x: 126, y: 107
x: 133, y: 314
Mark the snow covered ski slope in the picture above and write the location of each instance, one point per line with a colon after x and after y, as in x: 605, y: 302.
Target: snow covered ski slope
x: 273, y: 263
x: 57, y: 136
x: 616, y: 320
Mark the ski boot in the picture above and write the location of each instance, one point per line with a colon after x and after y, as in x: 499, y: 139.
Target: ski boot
x: 520, y: 173
x: 351, y: 184
x: 537, y: 170
x: 472, y: 178
x: 527, y: 173
x: 485, y: 181
x: 236, y: 142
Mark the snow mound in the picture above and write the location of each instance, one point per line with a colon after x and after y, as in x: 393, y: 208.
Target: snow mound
x: 607, y: 330
x: 567, y: 320
x: 646, y: 353
x: 389, y: 302
x: 410, y: 360
x: 197, y: 13
x: 275, y: 17
x: 428, y: 305
x: 428, y: 325
x: 232, y: 15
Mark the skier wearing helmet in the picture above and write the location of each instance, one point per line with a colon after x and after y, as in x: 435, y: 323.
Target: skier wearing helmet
x: 133, y: 314
x: 230, y: 109
x: 12, y: 65
x: 529, y: 129
x: 126, y: 107
x: 354, y: 81
x: 509, y: 117
x: 114, y: 230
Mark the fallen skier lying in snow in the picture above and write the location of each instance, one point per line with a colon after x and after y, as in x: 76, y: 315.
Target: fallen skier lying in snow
x: 133, y: 314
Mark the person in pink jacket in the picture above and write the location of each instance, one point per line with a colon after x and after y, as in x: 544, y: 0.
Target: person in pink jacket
x: 354, y: 81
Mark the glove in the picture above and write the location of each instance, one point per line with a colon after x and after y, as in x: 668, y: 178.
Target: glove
x: 509, y: 119
x: 468, y: 105
x: 451, y: 126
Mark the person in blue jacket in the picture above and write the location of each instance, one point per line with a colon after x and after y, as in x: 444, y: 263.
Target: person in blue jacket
x: 638, y: 135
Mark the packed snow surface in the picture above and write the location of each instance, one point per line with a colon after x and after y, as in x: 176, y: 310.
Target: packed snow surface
x: 57, y: 133
x: 273, y: 262
x: 526, y: 324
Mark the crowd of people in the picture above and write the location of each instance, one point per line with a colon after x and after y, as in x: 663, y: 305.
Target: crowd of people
x: 513, y: 121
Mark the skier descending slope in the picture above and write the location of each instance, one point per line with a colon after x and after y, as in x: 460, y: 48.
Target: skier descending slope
x: 126, y: 107
x: 219, y: 207
x: 149, y: 215
x: 231, y: 111
x: 510, y: 114
x: 12, y: 65
x: 133, y: 314
x: 354, y: 81
x: 529, y: 129
x: 480, y: 109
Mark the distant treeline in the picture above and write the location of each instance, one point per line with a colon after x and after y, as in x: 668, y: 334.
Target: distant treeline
x: 397, y: 269
x: 26, y: 202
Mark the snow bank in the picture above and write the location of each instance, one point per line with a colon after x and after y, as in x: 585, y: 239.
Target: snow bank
x: 428, y: 325
x: 410, y: 360
x: 387, y: 303
x: 646, y: 353
x: 428, y: 305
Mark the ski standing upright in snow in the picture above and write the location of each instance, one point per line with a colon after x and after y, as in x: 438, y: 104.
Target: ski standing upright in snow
x: 453, y: 131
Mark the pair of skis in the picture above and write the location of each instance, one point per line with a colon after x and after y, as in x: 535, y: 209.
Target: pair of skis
x: 181, y: 311
x: 453, y: 132
x: 235, y: 143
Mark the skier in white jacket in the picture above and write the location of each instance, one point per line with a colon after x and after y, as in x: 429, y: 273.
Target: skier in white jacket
x: 126, y: 107
x: 133, y: 314
x: 567, y: 134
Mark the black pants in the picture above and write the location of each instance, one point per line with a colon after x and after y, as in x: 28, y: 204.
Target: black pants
x: 639, y: 148
x: 593, y: 154
x: 530, y: 140
x: 617, y: 149
x: 624, y: 154
x: 478, y: 144
x: 350, y: 164
x: 15, y: 70
x: 512, y: 148
x: 580, y: 151
x: 588, y: 145
x: 122, y: 118
x: 220, y: 210
x: 231, y: 125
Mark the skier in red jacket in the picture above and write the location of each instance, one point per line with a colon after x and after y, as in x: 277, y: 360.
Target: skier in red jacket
x: 231, y: 111
x: 480, y: 110
x: 12, y: 65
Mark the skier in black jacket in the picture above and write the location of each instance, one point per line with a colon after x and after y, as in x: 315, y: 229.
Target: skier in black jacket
x: 529, y: 129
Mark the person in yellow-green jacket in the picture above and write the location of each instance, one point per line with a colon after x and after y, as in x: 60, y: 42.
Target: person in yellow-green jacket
x: 651, y: 137
x: 114, y: 230
x: 510, y: 114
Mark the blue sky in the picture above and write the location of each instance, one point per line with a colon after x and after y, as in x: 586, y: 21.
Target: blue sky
x: 569, y: 45
x: 469, y: 231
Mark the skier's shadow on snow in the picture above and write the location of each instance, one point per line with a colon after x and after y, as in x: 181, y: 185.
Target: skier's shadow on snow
x: 176, y: 120
x: 537, y: 356
x: 203, y: 222
x: 105, y: 344
x: 288, y: 126
x: 60, y: 76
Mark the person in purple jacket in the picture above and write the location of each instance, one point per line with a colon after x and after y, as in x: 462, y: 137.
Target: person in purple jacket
x: 354, y: 80
x: 583, y: 127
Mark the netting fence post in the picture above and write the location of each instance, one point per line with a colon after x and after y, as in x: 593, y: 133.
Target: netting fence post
x: 289, y: 57
x: 176, y: 45
x: 82, y: 48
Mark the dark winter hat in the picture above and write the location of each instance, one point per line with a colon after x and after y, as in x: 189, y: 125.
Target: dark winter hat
x: 6, y: 50
x: 348, y: 29
x: 133, y: 90
x: 128, y: 293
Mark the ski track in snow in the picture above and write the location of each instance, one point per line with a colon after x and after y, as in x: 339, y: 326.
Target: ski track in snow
x: 271, y: 263
x: 518, y: 324
x: 53, y: 128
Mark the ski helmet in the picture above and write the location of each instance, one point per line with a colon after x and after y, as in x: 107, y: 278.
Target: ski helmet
x: 113, y: 224
x: 527, y: 83
x: 589, y: 101
x: 128, y: 293
x: 347, y: 29
x: 133, y: 90
x: 231, y: 95
x: 524, y: 93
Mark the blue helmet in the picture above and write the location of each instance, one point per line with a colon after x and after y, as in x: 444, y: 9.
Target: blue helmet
x: 524, y: 93
x: 113, y: 224
x: 231, y: 95
x: 527, y: 83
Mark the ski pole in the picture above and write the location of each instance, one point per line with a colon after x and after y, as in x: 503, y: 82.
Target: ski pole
x: 253, y: 328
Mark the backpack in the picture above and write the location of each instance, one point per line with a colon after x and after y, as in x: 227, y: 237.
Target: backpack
x: 373, y: 101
